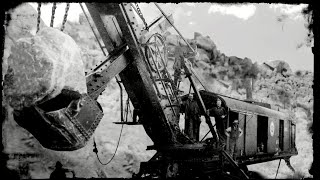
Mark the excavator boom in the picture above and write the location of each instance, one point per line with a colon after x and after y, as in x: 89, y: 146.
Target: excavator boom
x: 118, y: 28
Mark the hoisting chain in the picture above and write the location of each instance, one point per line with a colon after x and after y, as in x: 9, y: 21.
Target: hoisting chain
x: 39, y: 15
x: 142, y: 18
x: 53, y: 11
x: 65, y: 16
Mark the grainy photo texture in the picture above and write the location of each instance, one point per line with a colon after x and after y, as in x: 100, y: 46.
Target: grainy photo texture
x: 158, y: 90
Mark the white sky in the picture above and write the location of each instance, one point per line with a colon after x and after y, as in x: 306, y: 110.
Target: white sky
x: 242, y: 11
x: 266, y: 39
x: 46, y: 11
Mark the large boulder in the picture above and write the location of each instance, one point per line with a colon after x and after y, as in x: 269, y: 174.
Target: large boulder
x: 204, y: 42
x: 203, y: 55
x: 265, y: 70
x: 215, y: 53
x: 234, y: 60
x: 281, y: 67
x: 23, y: 23
x: 39, y: 67
x: 222, y: 58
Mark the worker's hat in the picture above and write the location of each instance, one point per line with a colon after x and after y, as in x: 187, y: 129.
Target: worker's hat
x: 58, y: 164
x: 235, y: 122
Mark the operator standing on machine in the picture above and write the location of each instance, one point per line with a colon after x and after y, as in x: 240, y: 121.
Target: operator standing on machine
x: 192, y: 118
x: 219, y: 114
x: 234, y: 132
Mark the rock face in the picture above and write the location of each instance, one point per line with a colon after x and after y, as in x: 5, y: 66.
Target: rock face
x: 41, y: 66
x: 204, y: 42
x: 233, y: 67
x: 203, y: 56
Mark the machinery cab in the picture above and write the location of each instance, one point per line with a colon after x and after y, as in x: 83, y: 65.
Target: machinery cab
x: 267, y: 134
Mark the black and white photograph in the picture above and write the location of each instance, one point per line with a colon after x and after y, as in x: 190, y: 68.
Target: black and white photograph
x: 138, y: 90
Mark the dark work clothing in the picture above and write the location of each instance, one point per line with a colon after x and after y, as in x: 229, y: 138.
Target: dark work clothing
x: 58, y: 173
x: 218, y: 111
x: 234, y: 134
x: 192, y: 127
x: 232, y: 148
x: 192, y: 119
x: 192, y: 109
x: 220, y: 122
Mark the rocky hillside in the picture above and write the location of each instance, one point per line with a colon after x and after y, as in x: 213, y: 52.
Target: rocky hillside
x: 274, y: 83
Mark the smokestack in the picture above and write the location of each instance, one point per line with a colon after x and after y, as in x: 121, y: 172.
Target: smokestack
x: 253, y: 81
x: 249, y: 87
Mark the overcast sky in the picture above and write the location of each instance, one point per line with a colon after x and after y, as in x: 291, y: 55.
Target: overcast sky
x: 242, y: 30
